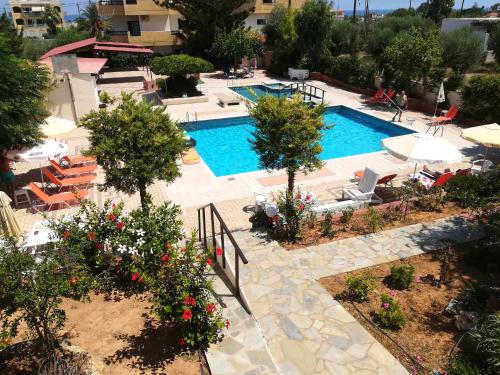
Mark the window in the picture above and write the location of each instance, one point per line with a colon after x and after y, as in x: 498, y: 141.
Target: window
x: 39, y: 21
x: 16, y: 9
x: 19, y: 21
x: 134, y: 28
x: 131, y: 1
x: 268, y: 1
x: 30, y: 22
x: 261, y: 21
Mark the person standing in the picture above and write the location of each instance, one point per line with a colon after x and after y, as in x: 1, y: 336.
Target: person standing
x: 402, y: 105
x: 7, y: 176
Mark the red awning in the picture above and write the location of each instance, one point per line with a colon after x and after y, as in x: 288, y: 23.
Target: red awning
x: 123, y: 49
x: 69, y: 47
x: 85, y: 64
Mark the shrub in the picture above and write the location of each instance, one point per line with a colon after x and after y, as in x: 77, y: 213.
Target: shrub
x: 105, y: 98
x: 373, y: 219
x: 345, y: 68
x: 432, y: 200
x: 454, y: 81
x: 182, y: 293
x: 462, y: 49
x: 327, y: 226
x: 346, y: 37
x: 390, y: 314
x: 459, y: 365
x: 494, y: 42
x: 123, y: 60
x: 473, y: 297
x: 401, y: 276
x: 346, y: 217
x: 472, y: 191
x: 293, y: 209
x: 481, y: 97
x: 360, y: 286
x: 487, y: 340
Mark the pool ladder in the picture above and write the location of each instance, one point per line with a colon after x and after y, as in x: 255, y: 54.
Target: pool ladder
x: 194, y: 117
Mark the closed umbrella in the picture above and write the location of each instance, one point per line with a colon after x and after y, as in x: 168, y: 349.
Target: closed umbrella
x: 8, y: 222
x: 53, y: 126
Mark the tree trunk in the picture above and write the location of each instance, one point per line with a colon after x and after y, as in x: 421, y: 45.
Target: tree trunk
x: 142, y: 194
x: 291, y: 181
x: 354, y: 11
x: 289, y: 3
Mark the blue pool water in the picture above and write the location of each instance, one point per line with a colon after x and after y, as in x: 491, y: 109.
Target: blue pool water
x: 223, y: 143
x: 254, y: 92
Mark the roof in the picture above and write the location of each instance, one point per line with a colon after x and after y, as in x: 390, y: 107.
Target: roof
x: 68, y: 47
x: 85, y: 64
x: 123, y: 49
x: 119, y: 44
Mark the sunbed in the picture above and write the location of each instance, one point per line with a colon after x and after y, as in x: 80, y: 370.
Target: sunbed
x: 72, y: 171
x: 60, y: 198
x: 68, y: 182
x: 379, y: 94
x: 337, y: 206
x: 76, y: 160
x: 226, y: 99
x: 440, y: 121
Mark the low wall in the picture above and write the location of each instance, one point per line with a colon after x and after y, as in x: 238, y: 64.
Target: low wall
x: 189, y: 100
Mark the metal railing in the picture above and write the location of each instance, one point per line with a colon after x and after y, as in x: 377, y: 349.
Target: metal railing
x: 306, y: 90
x: 224, y: 230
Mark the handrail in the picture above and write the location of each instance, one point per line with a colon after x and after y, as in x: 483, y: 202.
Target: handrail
x: 305, y: 86
x: 202, y: 236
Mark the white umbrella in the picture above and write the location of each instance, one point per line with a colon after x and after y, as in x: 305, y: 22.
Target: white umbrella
x: 42, y: 152
x: 440, y: 97
x: 53, y: 126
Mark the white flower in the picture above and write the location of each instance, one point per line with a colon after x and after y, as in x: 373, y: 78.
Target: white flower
x: 183, y: 232
x: 140, y: 242
x: 106, y: 241
x: 140, y: 232
x: 132, y: 250
x: 81, y: 225
x: 123, y: 214
x: 122, y: 248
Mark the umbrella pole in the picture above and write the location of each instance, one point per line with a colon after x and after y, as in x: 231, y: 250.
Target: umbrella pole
x: 435, y: 109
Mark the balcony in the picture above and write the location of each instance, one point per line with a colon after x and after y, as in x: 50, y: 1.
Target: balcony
x: 146, y: 38
x: 111, y: 8
x: 266, y: 6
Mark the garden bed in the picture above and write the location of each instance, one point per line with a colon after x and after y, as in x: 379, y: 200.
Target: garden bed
x: 358, y: 225
x: 120, y: 336
x: 429, y: 334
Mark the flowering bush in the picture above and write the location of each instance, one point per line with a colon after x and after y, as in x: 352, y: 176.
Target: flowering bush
x: 292, y: 210
x: 182, y: 294
x: 390, y: 314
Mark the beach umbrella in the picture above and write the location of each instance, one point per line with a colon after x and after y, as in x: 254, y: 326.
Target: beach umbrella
x: 487, y: 135
x: 440, y: 97
x: 9, y: 225
x: 53, y: 126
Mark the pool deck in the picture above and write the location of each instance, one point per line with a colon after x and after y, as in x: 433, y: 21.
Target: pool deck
x: 232, y: 194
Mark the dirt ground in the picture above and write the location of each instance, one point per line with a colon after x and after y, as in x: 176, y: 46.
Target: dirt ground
x: 122, y: 339
x: 429, y: 334
x: 314, y: 236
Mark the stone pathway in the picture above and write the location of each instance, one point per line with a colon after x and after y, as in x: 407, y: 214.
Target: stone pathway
x: 306, y: 330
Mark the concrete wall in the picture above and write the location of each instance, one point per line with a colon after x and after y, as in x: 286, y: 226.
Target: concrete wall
x: 85, y: 93
x: 153, y: 23
x: 252, y: 20
x: 59, y: 101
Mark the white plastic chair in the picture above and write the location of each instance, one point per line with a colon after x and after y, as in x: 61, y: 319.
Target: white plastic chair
x: 364, y: 189
x: 260, y: 200
x: 481, y: 166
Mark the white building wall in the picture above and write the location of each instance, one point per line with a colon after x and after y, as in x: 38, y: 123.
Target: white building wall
x: 251, y: 20
x: 153, y: 23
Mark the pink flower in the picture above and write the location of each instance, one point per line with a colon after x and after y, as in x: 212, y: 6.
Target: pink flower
x: 228, y: 323
x: 210, y: 261
x: 385, y: 305
x: 111, y: 217
x: 141, y: 280
x: 418, y: 279
x: 301, y: 207
x: 308, y: 198
x: 134, y: 276
x: 393, y: 293
x: 165, y: 258
x: 187, y: 314
x: 218, y: 251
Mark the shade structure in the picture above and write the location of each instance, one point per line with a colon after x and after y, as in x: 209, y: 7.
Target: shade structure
x: 422, y: 148
x: 8, y: 222
x: 487, y: 135
x: 53, y: 126
x: 42, y: 152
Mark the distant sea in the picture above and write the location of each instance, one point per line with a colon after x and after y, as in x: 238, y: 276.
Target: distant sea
x: 347, y: 12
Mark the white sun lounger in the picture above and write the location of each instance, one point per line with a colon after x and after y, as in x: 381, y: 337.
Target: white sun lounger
x: 226, y: 99
x: 364, y: 190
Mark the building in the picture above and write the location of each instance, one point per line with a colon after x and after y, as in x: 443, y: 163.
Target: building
x: 144, y: 22
x: 480, y: 26
x: 27, y: 16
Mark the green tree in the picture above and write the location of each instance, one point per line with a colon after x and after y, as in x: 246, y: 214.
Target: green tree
x: 412, y: 55
x: 231, y: 47
x: 201, y: 19
x: 481, y: 97
x: 23, y: 89
x: 461, y: 49
x: 92, y: 22
x: 281, y: 36
x: 287, y: 135
x: 34, y: 48
x: 135, y: 144
x: 178, y: 67
x: 69, y: 35
x: 51, y: 16
x: 14, y: 39
x: 436, y: 10
x: 494, y: 42
x: 346, y: 38
x: 314, y: 23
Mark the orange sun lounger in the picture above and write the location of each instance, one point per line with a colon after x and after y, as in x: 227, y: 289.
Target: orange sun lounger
x: 70, y: 181
x: 61, y: 198
x: 72, y: 171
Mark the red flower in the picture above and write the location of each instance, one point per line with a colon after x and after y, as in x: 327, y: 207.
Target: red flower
x: 181, y: 341
x: 301, y: 207
x: 134, y: 276
x: 228, y: 323
x: 276, y: 219
x: 190, y: 300
x: 165, y: 258
x: 218, y: 251
x: 113, y: 205
x: 168, y: 246
x: 111, y: 217
x: 99, y: 246
x: 210, y: 261
x: 120, y: 225
x: 91, y: 236
x: 66, y: 234
x: 141, y: 280
x: 308, y: 197
x: 187, y: 314
x: 211, y: 308
x: 298, y: 196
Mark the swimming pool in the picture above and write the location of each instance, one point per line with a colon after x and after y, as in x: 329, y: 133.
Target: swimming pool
x: 223, y: 143
x: 254, y: 92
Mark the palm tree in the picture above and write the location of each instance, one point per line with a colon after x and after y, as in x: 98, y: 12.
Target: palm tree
x: 354, y: 11
x: 51, y: 16
x: 91, y: 21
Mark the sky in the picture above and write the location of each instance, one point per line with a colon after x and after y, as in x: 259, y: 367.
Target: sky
x: 70, y: 6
